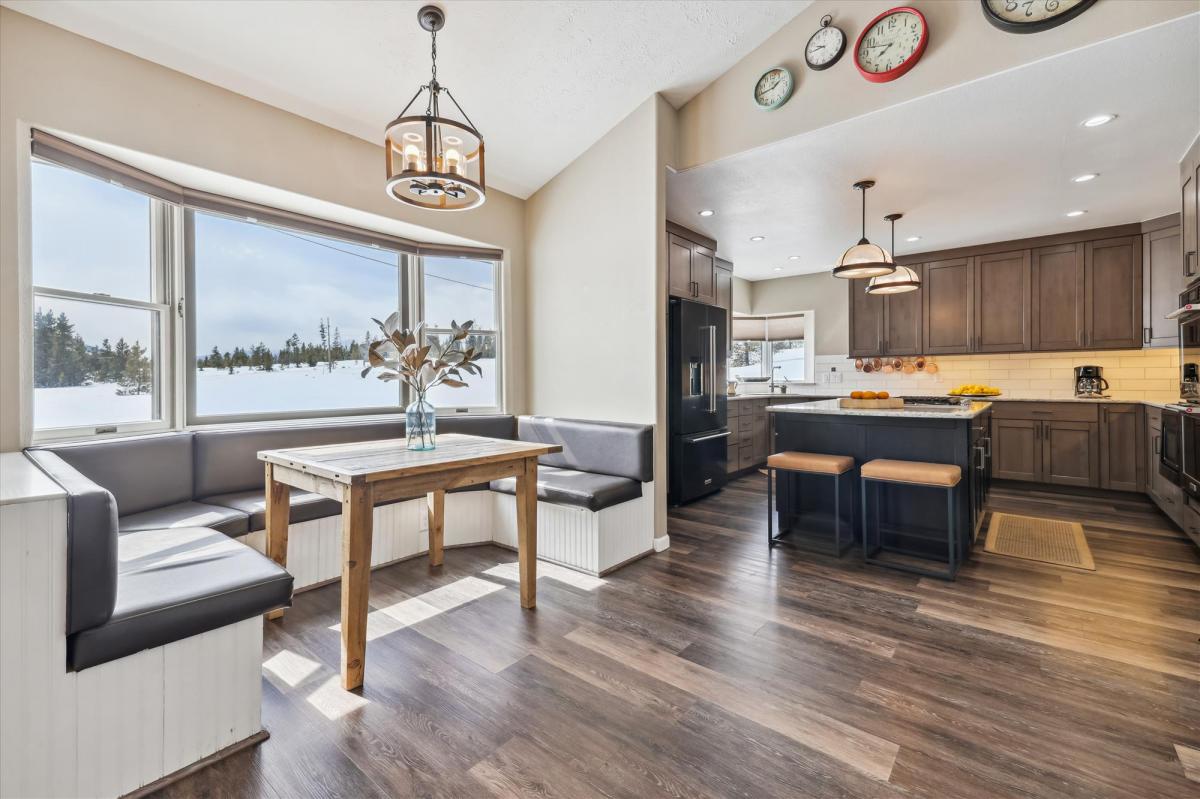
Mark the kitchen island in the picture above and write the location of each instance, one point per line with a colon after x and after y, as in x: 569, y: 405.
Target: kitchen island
x: 912, y: 519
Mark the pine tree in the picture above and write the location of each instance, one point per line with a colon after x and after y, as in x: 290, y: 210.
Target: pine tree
x: 137, y: 375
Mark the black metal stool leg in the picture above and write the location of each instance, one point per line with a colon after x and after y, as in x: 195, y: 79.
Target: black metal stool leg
x: 837, y: 515
x: 770, y: 508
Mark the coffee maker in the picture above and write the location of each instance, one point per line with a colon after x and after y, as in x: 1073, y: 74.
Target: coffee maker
x: 1089, y: 381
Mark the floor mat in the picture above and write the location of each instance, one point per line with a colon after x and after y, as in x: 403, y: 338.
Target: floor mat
x: 1046, y: 540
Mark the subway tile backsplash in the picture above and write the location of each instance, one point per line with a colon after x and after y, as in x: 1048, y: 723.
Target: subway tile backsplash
x: 1149, y: 374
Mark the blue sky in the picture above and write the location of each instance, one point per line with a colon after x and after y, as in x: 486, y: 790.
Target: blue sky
x: 253, y: 283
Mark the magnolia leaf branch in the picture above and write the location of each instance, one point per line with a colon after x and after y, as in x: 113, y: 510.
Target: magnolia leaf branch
x: 400, y: 355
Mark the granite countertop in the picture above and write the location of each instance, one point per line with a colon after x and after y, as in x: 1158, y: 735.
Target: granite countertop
x: 1158, y: 403
x: 830, y: 408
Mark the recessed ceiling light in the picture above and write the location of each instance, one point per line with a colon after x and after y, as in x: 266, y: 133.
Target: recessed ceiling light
x: 1098, y: 120
x: 913, y: 238
x: 1076, y: 213
x: 757, y: 238
x: 793, y: 257
x: 1085, y: 177
x: 779, y: 269
x: 707, y: 212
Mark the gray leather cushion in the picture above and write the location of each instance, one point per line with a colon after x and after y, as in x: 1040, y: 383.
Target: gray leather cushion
x: 142, y: 473
x: 615, y: 448
x: 227, y: 460
x: 91, y: 543
x: 173, y: 584
x: 187, y: 514
x: 582, y: 489
x: 493, y: 426
x: 303, y: 506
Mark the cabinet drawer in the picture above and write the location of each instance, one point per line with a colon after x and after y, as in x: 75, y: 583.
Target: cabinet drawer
x: 1052, y: 411
x: 733, y: 455
x: 745, y: 423
x: 746, y: 458
x: 745, y: 438
x: 734, y: 409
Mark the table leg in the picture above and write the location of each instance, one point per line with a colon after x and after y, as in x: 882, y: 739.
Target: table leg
x: 278, y: 505
x: 436, y: 504
x: 357, y: 510
x: 527, y: 532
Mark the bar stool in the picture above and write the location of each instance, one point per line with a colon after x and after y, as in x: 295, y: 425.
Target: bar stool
x: 914, y: 473
x: 812, y: 463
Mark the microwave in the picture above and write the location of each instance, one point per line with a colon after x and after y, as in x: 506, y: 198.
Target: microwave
x: 1188, y: 316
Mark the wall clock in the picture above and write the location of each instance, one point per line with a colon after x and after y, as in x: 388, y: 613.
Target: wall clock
x: 1032, y: 16
x: 891, y: 44
x: 825, y: 46
x: 773, y: 89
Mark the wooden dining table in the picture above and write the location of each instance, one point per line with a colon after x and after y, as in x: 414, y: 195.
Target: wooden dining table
x: 363, y: 474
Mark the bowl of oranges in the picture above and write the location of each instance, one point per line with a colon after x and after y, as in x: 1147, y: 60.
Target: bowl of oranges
x: 974, y: 390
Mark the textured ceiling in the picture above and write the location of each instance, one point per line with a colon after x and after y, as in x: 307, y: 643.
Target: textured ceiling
x: 988, y: 161
x: 542, y: 80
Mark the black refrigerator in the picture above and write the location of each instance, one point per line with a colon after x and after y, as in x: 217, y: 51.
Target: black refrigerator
x: 698, y: 351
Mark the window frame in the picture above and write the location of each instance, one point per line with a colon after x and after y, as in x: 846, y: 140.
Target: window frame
x: 767, y: 363
x: 162, y: 292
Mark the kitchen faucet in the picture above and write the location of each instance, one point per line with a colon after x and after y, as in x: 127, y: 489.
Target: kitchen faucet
x: 772, y: 385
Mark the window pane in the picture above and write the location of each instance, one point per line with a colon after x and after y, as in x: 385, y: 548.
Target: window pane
x: 88, y: 235
x: 481, y: 390
x: 788, y: 354
x: 745, y: 359
x: 93, y: 364
x: 282, y: 317
x: 459, y: 290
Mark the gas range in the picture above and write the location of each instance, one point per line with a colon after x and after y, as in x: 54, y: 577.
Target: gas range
x: 936, y: 401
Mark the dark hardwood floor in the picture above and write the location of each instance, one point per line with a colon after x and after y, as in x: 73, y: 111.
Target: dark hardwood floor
x: 719, y: 669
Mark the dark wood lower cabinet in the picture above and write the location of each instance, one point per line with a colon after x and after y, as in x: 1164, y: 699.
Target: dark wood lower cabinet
x: 1069, y: 453
x: 1122, y: 435
x: 1016, y: 449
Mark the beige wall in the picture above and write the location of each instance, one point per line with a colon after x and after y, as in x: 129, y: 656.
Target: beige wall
x: 595, y: 252
x: 821, y: 293
x: 58, y: 80
x: 721, y: 120
x: 742, y: 302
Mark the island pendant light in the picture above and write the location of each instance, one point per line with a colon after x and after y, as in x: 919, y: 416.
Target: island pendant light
x: 434, y: 161
x: 902, y: 280
x: 864, y: 259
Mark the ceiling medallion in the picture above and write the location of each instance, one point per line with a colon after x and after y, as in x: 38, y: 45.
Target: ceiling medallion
x: 902, y: 280
x: 433, y: 161
x: 864, y: 259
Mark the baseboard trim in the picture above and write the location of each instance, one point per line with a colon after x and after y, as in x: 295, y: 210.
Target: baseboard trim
x: 175, y: 776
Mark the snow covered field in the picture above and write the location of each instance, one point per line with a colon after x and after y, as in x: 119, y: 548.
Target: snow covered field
x: 249, y: 391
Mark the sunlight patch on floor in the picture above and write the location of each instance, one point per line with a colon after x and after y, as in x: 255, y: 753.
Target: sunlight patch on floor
x: 510, y: 572
x: 429, y: 604
x: 291, y: 668
x: 333, y: 701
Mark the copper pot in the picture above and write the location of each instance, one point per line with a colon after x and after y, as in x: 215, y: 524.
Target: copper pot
x: 867, y: 367
x: 888, y: 368
x: 920, y: 362
x: 877, y: 363
x: 931, y: 368
x: 858, y: 364
x: 909, y: 369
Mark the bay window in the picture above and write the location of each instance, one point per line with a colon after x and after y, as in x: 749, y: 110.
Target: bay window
x: 778, y: 345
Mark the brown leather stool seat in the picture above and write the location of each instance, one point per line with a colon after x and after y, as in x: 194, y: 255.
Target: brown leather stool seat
x: 810, y: 462
x: 945, y: 475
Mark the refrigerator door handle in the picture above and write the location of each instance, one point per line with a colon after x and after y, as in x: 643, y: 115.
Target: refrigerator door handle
x: 712, y: 368
x: 725, y: 434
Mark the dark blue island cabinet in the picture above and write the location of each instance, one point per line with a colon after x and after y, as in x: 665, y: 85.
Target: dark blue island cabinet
x: 912, y: 519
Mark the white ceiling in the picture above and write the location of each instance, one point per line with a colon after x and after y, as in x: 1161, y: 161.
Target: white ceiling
x: 542, y: 81
x: 988, y: 161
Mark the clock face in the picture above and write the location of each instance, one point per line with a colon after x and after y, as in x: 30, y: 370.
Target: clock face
x: 1030, y: 16
x: 891, y: 45
x: 773, y: 88
x: 825, y: 47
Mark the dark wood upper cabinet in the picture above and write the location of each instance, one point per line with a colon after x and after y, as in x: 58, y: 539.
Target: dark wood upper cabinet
x: 1122, y: 436
x: 723, y: 282
x: 704, y: 274
x: 1162, y: 281
x: 1057, y: 275
x: 1189, y: 209
x: 1113, y: 283
x: 679, y: 266
x: 947, y: 296
x: 1002, y: 305
x: 866, y: 321
x: 903, y: 329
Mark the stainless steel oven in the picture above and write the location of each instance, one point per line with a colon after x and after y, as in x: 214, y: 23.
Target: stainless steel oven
x: 1170, y: 445
x: 1189, y: 471
x: 1188, y: 316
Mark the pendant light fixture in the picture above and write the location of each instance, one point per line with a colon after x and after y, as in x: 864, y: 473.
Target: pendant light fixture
x: 902, y: 280
x: 434, y: 161
x: 864, y: 259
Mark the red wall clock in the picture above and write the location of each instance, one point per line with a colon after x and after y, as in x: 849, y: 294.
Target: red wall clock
x: 891, y: 44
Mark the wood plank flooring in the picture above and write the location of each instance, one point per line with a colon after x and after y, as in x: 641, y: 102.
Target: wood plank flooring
x: 721, y: 669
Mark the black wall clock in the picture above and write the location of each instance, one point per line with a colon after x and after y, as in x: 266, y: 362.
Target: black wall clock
x: 826, y: 46
x: 1032, y: 16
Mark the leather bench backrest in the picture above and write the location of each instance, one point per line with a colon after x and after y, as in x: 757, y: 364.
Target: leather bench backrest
x: 227, y: 460
x: 142, y: 473
x: 620, y: 449
x: 494, y: 426
x: 91, y: 544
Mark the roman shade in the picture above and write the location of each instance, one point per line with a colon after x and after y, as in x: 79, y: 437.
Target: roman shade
x: 73, y: 156
x: 788, y: 327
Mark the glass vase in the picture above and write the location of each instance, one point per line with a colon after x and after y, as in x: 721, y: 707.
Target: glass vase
x: 420, y: 422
